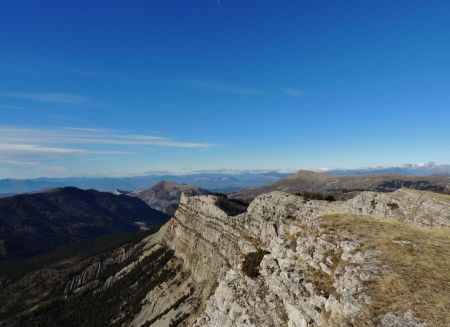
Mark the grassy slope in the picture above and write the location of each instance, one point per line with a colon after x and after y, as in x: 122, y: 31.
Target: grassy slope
x: 415, y: 261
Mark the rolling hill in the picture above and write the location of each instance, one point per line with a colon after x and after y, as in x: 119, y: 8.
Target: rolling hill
x: 166, y: 195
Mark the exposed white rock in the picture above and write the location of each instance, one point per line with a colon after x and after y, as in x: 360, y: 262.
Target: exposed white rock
x: 397, y: 320
x: 90, y: 273
x: 421, y: 208
x: 308, y: 278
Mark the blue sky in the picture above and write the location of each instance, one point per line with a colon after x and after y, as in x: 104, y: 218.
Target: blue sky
x: 121, y: 88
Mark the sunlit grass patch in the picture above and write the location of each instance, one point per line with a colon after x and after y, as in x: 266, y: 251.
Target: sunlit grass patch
x: 415, y: 265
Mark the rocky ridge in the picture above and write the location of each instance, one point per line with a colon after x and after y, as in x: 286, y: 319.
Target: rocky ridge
x: 347, y: 186
x: 284, y: 261
x: 309, y: 276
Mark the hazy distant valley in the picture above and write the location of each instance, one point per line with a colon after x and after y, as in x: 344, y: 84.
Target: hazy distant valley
x: 220, y: 182
x: 227, y: 181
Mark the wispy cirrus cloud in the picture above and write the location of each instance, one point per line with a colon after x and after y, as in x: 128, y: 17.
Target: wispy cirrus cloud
x: 9, y: 107
x: 221, y: 87
x: 293, y: 92
x: 47, y: 151
x: 54, y: 97
x: 28, y: 158
x: 36, y: 147
x: 19, y: 163
x: 86, y: 136
x: 19, y: 149
x: 63, y: 117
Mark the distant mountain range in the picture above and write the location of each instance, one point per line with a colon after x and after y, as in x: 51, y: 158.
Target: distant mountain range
x: 34, y: 223
x: 346, y: 186
x: 422, y: 169
x: 215, y: 181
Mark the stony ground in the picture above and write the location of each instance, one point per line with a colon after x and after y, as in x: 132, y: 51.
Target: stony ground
x: 324, y: 263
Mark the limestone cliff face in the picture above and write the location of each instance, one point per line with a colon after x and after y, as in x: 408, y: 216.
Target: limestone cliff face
x: 205, y: 239
x: 320, y: 264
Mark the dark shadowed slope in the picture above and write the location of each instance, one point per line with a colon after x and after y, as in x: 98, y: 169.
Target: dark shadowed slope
x: 348, y: 185
x: 166, y: 195
x: 33, y: 223
x: 69, y: 285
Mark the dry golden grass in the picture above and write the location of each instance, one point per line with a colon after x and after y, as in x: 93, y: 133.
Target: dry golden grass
x: 415, y: 266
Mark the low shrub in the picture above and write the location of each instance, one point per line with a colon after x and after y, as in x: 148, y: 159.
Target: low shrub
x: 393, y: 205
x: 316, y: 196
x: 232, y: 207
x: 250, y: 266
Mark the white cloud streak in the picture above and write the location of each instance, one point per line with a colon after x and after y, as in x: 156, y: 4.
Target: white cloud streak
x: 54, y: 97
x: 17, y: 149
x: 69, y: 135
x: 36, y: 147
x: 293, y: 92
x: 8, y: 107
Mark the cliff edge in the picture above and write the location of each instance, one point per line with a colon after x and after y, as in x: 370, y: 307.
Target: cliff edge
x: 378, y: 259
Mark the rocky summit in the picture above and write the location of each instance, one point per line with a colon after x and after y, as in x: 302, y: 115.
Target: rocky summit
x: 378, y: 259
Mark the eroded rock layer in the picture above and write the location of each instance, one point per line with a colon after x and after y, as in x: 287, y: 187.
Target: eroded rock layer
x: 321, y: 264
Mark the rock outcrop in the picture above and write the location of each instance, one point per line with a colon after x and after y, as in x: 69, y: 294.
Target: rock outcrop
x: 315, y: 271
x: 420, y: 208
x: 91, y: 273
